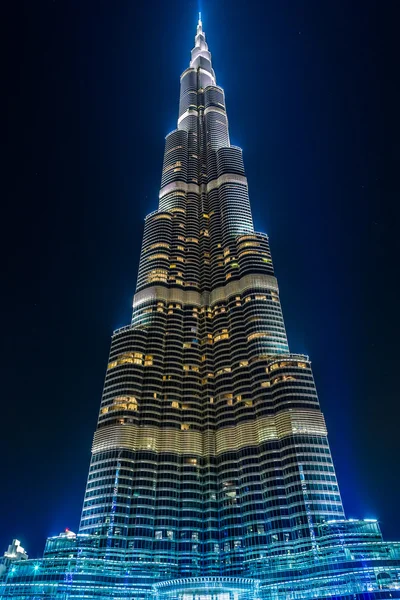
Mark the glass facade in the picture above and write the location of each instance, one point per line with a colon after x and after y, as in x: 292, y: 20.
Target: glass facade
x: 211, y: 475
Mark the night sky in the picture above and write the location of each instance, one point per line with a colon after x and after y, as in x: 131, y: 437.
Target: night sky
x: 91, y: 89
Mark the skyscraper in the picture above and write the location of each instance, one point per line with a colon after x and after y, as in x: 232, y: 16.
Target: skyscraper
x: 211, y: 475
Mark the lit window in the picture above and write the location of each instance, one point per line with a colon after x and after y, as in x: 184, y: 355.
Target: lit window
x: 175, y: 404
x: 185, y: 427
x: 258, y: 334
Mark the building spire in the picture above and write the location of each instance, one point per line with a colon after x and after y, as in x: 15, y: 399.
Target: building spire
x: 201, y: 56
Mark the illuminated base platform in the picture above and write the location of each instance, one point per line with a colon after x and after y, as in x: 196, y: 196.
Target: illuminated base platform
x: 207, y: 588
x: 349, y: 560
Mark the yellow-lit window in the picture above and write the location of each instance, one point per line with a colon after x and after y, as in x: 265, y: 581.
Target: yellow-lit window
x: 185, y: 426
x: 158, y: 245
x: 163, y: 216
x: 274, y: 366
x: 158, y: 256
x: 265, y: 384
x: 243, y: 363
x: 258, y: 334
x: 248, y: 402
x: 185, y: 406
x: 302, y: 365
x: 104, y: 410
x: 175, y: 404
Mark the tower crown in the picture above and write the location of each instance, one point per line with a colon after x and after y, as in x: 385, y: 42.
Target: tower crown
x: 201, y: 56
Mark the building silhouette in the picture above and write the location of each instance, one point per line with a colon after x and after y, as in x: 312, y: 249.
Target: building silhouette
x: 211, y: 475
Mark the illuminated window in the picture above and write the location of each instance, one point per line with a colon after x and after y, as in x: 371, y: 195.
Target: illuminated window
x: 175, y: 404
x: 185, y: 427
x: 258, y: 334
x: 158, y: 535
x: 265, y: 384
x: 302, y: 365
x: 191, y: 461
x: 156, y: 256
x: 158, y: 245
x: 162, y: 216
x: 221, y: 336
x: 243, y: 363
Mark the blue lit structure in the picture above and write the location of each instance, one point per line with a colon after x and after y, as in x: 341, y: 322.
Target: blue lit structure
x: 211, y: 475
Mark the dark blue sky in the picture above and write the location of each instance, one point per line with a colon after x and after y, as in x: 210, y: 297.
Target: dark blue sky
x: 91, y: 89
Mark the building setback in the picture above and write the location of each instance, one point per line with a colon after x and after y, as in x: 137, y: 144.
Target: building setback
x: 211, y: 475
